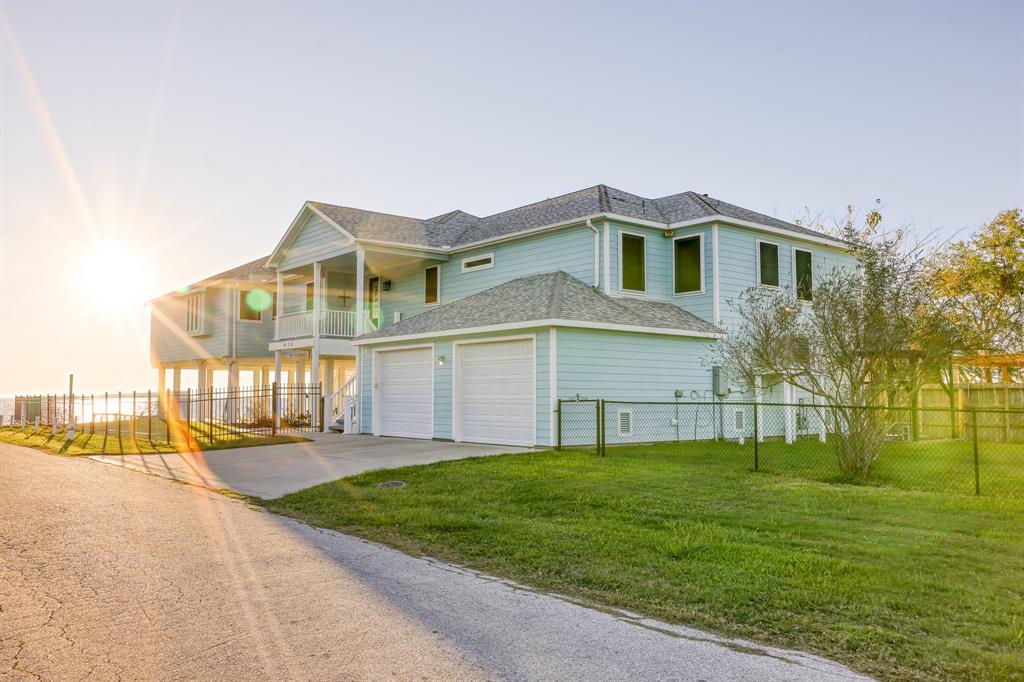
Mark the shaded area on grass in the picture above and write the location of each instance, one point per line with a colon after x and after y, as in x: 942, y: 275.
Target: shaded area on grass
x: 898, y: 584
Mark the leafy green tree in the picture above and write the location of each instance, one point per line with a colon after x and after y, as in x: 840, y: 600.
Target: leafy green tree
x: 979, y: 283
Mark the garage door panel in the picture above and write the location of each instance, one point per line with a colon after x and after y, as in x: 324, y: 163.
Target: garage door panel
x: 496, y: 389
x: 405, y: 398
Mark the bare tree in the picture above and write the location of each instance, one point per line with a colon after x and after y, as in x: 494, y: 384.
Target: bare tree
x: 869, y: 334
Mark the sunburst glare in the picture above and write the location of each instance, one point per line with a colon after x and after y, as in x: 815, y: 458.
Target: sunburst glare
x: 113, y: 277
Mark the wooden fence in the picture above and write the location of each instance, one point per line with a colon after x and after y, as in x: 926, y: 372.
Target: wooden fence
x: 1005, y: 423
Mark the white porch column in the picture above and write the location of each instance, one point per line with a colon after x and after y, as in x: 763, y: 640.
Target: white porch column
x: 360, y: 286
x: 328, y: 376
x: 278, y: 309
x: 820, y: 413
x: 161, y: 389
x: 202, y: 385
x: 314, y: 378
x: 231, y: 404
x: 264, y: 374
x: 277, y: 366
x: 317, y: 303
x: 787, y: 397
x: 277, y: 380
x: 176, y: 381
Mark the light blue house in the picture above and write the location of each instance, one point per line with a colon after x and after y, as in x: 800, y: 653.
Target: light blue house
x: 471, y: 328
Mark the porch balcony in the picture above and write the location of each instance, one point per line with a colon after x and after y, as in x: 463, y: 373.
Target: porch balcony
x: 332, y: 323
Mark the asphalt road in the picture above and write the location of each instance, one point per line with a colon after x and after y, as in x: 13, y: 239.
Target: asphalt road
x: 106, y: 573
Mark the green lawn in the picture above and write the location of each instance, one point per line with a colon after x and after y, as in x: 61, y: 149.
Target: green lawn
x: 895, y: 583
x: 117, y: 439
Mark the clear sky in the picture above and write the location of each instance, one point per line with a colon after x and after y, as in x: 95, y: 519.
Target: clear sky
x: 180, y: 139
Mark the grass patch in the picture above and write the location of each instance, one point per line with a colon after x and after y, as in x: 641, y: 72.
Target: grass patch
x: 895, y: 583
x: 118, y: 441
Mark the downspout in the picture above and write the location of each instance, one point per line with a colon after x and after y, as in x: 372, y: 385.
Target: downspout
x: 597, y: 253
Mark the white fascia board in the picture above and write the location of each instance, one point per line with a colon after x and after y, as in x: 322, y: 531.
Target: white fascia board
x: 827, y: 241
x: 373, y: 246
x: 615, y: 217
x: 530, y: 324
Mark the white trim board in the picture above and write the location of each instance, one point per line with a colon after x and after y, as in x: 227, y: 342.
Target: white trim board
x: 531, y: 324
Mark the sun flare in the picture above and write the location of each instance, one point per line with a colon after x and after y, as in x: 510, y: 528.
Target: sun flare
x: 113, y: 276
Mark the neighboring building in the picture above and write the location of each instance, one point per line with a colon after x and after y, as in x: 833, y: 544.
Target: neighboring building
x: 224, y: 322
x: 468, y: 328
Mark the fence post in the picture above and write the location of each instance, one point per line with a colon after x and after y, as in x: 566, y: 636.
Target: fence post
x: 757, y: 435
x: 134, y: 413
x: 558, y: 409
x: 977, y: 472
x: 274, y: 416
x: 106, y: 414
x: 320, y: 422
x: 188, y: 418
x: 604, y: 444
x: 149, y: 413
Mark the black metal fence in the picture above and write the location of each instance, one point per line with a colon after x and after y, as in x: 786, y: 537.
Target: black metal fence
x: 976, y: 451
x: 183, y: 419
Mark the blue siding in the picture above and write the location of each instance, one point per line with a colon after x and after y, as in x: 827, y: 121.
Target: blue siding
x: 168, y: 340
x: 737, y: 258
x: 443, y: 377
x: 317, y: 240
x: 571, y: 250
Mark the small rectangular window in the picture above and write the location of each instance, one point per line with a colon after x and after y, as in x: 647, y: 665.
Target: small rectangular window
x: 431, y: 285
x: 625, y: 422
x: 251, y: 303
x: 632, y: 262
x: 195, y: 314
x: 804, y: 284
x: 768, y: 263
x: 478, y: 262
x: 687, y: 257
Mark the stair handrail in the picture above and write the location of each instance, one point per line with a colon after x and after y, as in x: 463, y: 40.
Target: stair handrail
x: 347, y: 390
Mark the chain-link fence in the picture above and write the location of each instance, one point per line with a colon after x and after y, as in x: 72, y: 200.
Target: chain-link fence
x: 184, y: 419
x: 973, y: 451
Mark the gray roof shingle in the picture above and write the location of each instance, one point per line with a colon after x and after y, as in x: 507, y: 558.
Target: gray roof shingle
x: 547, y: 296
x: 458, y: 228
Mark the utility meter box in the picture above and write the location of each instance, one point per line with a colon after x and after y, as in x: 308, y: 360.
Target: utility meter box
x: 720, y: 381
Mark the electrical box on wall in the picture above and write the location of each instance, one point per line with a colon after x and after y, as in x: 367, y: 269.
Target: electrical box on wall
x: 720, y: 381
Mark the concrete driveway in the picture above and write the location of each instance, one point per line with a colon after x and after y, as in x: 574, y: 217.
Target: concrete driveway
x: 273, y: 470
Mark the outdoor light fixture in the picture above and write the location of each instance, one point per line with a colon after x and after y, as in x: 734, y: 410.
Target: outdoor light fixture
x: 440, y: 361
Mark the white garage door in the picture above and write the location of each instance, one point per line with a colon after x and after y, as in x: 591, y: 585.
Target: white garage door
x: 404, y: 393
x: 496, y: 393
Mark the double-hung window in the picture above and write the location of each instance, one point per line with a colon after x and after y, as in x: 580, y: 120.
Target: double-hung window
x: 803, y: 271
x: 768, y: 264
x: 688, y: 264
x: 431, y: 285
x: 632, y: 265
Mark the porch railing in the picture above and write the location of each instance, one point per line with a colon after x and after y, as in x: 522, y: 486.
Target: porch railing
x: 332, y: 323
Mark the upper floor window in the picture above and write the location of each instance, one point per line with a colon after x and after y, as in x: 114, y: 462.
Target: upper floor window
x: 768, y: 264
x: 802, y: 267
x: 251, y: 303
x: 310, y: 294
x: 478, y: 262
x: 431, y: 285
x: 632, y: 265
x: 688, y: 264
x: 195, y: 318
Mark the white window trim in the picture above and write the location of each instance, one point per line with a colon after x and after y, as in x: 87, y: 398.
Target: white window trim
x: 486, y: 266
x: 757, y: 263
x: 238, y: 316
x: 796, y: 293
x: 438, y: 301
x: 618, y: 422
x: 739, y: 421
x: 457, y: 380
x: 701, y: 291
x: 623, y: 289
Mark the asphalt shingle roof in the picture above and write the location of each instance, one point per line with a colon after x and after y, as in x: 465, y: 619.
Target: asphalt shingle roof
x: 547, y: 296
x: 458, y: 228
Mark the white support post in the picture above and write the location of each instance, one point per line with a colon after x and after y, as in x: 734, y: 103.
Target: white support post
x: 176, y: 381
x: 231, y: 403
x: 202, y: 385
x: 360, y: 291
x: 161, y: 389
x: 277, y: 380
x: 265, y: 373
x: 314, y: 378
x: 279, y: 306
x: 317, y: 303
x: 822, y: 435
x: 277, y: 367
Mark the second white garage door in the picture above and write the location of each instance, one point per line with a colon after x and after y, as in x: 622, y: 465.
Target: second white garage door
x: 404, y: 393
x: 496, y: 393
